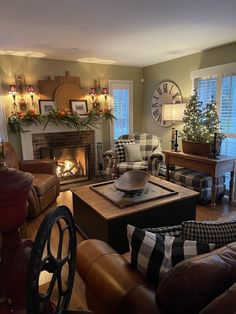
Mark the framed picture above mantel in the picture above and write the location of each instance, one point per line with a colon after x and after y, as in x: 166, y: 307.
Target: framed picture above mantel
x: 46, y: 105
x: 79, y: 106
x: 61, y: 89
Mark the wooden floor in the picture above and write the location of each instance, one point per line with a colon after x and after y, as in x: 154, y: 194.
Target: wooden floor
x: 204, y: 212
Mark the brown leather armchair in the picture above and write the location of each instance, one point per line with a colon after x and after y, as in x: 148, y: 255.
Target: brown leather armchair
x: 204, y: 284
x: 46, y: 185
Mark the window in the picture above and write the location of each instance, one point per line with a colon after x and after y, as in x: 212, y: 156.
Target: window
x: 228, y: 105
x: 228, y: 114
x: 206, y: 89
x: 122, y: 93
x: 221, y: 84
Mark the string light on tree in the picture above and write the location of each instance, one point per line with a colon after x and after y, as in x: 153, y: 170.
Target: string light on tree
x: 211, y: 121
x: 201, y: 122
x: 193, y: 125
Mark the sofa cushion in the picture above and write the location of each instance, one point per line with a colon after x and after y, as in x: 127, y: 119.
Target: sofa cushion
x: 199, y: 182
x: 217, y: 232
x: 225, y: 303
x: 155, y: 254
x: 43, y: 182
x: 119, y: 148
x: 194, y: 283
x: 205, y: 194
x: 126, y: 166
x: 195, y: 179
x: 132, y: 152
x: 175, y: 231
x: 148, y: 142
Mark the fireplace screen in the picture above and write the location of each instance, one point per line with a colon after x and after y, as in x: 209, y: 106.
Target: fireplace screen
x: 73, y: 162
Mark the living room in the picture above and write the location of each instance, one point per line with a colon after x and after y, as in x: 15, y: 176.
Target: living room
x: 182, y: 67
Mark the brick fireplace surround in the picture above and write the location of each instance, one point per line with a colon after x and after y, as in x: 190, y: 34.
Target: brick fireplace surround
x: 62, y: 139
x: 36, y: 137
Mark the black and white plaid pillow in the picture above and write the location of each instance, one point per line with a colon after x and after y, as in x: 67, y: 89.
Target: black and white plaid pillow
x: 148, y: 142
x: 217, y: 232
x: 155, y: 254
x: 175, y: 231
x: 119, y: 148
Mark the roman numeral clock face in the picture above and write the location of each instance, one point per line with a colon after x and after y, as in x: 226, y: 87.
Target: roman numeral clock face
x: 165, y: 93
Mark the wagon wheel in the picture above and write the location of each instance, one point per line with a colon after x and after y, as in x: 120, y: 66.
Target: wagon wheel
x: 51, y: 267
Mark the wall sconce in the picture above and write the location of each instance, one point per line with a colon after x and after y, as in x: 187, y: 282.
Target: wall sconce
x: 31, y: 92
x: 92, y: 93
x: 105, y: 93
x: 13, y: 92
x: 21, y: 88
x: 98, y: 102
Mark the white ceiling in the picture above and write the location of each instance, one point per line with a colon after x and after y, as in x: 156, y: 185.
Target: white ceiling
x: 122, y: 32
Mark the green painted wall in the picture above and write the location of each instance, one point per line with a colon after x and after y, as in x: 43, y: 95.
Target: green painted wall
x: 178, y: 70
x: 39, y: 69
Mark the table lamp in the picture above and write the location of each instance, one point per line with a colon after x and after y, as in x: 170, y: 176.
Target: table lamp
x: 173, y: 112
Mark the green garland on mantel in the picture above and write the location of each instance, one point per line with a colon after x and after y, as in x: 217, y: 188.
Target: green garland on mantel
x: 18, y: 121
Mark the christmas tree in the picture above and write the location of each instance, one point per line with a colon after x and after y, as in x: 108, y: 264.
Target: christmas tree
x: 211, y: 122
x: 193, y: 124
x: 200, y: 122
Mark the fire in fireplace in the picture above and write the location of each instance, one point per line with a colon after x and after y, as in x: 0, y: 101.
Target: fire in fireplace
x: 73, y: 162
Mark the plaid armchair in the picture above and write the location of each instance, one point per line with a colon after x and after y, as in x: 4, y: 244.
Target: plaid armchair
x: 118, y: 161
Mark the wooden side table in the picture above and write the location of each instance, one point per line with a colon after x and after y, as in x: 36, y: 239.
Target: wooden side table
x: 214, y: 167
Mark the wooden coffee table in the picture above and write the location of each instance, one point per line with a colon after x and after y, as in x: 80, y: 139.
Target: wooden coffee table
x: 98, y: 217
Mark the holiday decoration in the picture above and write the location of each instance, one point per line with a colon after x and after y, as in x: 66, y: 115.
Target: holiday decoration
x: 201, y: 125
x: 18, y: 121
x: 212, y: 123
x: 201, y: 122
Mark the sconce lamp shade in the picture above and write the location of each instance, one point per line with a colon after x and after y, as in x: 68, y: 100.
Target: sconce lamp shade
x: 92, y: 91
x: 173, y: 112
x: 30, y: 89
x: 105, y: 91
x: 12, y: 89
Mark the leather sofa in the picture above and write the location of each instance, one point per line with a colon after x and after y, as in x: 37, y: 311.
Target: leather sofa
x: 46, y: 185
x: 203, y: 284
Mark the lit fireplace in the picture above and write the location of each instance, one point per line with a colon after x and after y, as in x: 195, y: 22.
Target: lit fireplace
x: 73, y: 162
x: 69, y: 168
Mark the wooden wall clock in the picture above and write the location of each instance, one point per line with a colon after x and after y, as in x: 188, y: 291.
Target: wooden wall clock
x: 166, y: 92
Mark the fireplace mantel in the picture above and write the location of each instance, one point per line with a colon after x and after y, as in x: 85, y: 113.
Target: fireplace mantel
x: 27, y: 143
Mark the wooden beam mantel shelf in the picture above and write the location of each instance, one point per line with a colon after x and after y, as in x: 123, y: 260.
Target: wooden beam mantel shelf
x: 19, y: 122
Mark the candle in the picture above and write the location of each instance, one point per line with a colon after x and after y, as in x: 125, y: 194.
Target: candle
x: 173, y: 134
